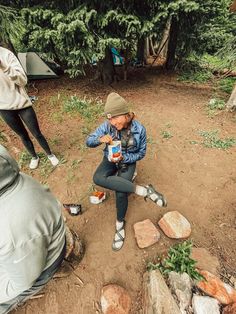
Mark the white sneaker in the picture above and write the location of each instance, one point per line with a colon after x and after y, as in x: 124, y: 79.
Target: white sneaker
x: 53, y: 159
x: 34, y: 162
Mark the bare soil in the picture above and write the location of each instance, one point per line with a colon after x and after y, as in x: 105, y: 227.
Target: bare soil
x: 197, y: 181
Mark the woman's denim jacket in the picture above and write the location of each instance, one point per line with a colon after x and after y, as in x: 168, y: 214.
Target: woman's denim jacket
x: 131, y: 153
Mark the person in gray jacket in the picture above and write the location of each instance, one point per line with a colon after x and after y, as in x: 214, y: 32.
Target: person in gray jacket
x: 32, y: 235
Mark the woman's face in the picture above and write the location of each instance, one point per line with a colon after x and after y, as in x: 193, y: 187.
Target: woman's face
x: 119, y: 122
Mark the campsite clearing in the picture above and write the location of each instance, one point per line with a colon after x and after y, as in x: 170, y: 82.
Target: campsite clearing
x: 198, y: 181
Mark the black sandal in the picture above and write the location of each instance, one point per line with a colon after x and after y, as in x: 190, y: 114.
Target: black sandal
x: 121, y: 239
x: 159, y: 197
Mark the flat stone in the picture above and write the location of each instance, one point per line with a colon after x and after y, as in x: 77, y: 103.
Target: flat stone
x: 181, y: 285
x: 216, y: 288
x: 230, y: 309
x: 157, y: 297
x: 175, y: 225
x: 205, y: 305
x: 205, y: 260
x: 115, y: 300
x: 146, y: 233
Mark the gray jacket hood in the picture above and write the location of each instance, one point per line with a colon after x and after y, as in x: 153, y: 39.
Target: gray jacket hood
x: 9, y: 170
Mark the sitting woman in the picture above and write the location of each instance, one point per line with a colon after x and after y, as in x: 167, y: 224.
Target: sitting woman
x: 116, y: 173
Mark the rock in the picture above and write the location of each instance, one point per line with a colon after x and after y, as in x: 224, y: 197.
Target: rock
x: 157, y: 297
x: 115, y: 300
x: 230, y: 309
x: 205, y: 260
x: 175, y: 225
x: 181, y: 285
x: 146, y: 233
x: 216, y: 288
x: 205, y: 305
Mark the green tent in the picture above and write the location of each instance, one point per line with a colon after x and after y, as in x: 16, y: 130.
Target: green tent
x: 34, y: 66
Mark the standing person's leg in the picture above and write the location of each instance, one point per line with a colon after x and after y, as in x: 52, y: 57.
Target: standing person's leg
x: 13, y: 120
x: 122, y: 205
x: 29, y: 117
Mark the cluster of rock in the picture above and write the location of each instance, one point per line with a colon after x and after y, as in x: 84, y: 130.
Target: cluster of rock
x: 179, y: 294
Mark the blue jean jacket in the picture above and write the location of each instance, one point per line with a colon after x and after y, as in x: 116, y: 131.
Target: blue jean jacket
x: 130, y: 154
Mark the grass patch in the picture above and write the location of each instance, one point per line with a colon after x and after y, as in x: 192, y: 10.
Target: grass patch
x: 45, y: 167
x: 194, y: 70
x: 2, y: 137
x: 166, y: 134
x: 214, y: 105
x: 89, y: 109
x: 212, y: 140
x: 178, y: 260
x: 227, y: 84
x: 150, y: 140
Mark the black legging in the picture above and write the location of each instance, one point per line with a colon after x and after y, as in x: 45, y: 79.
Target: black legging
x: 14, y: 120
x: 109, y: 177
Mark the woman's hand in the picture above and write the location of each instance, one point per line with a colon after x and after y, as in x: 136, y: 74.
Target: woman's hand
x: 106, y: 139
x: 117, y: 160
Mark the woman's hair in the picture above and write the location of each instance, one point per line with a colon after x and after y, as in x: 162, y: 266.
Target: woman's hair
x: 130, y: 117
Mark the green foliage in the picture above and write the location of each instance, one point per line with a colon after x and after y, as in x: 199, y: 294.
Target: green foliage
x: 11, y: 25
x: 211, y: 140
x: 178, y: 260
x: 227, y: 84
x: 74, y: 33
x: 216, y: 103
x: 24, y: 159
x: 194, y: 69
x: 90, y: 109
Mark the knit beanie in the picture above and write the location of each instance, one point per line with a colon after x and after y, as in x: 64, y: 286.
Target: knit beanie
x: 115, y: 106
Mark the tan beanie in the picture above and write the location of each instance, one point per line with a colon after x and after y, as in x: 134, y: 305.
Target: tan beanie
x: 115, y: 105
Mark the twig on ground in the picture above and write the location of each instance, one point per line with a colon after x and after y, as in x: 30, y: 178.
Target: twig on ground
x: 37, y: 296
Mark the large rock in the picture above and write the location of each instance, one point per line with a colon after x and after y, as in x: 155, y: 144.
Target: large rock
x: 205, y: 260
x: 157, y: 298
x: 175, y: 225
x: 146, y: 233
x: 115, y: 300
x: 205, y: 305
x: 216, y: 288
x: 230, y: 309
x: 181, y: 285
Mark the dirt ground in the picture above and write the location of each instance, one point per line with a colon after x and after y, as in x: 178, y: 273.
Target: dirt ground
x: 197, y: 181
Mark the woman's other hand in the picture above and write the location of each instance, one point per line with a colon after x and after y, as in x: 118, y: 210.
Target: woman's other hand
x: 117, y: 160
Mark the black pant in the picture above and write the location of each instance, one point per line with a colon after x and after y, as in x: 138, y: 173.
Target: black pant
x: 108, y: 176
x: 14, y: 120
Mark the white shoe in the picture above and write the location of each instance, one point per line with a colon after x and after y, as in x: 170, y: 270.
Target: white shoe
x: 53, y: 159
x: 34, y: 162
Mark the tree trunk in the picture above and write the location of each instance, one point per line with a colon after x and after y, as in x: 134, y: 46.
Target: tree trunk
x: 163, y: 44
x: 233, y: 6
x: 152, y: 50
x: 141, y: 51
x: 174, y: 28
x: 231, y: 104
x: 106, y: 68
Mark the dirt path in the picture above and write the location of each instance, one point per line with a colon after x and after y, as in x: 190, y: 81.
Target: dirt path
x: 199, y: 182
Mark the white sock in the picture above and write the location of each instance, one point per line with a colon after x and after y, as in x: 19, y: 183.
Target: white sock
x: 140, y: 190
x: 119, y: 224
